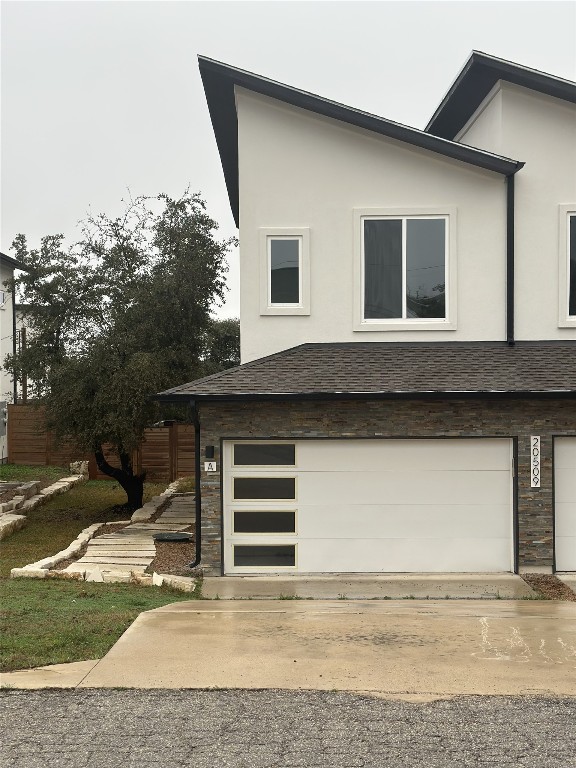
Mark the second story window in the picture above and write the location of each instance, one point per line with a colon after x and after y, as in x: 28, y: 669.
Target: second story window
x: 284, y: 254
x: 572, y: 264
x: 567, y: 267
x: 285, y: 271
x: 404, y: 262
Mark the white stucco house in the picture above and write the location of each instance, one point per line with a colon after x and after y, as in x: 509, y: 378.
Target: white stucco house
x: 407, y: 395
x: 9, y: 317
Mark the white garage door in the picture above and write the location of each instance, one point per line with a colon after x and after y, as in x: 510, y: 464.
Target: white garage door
x: 565, y: 502
x: 366, y: 506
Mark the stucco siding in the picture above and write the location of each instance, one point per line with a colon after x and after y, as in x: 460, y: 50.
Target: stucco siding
x: 541, y: 131
x: 301, y: 170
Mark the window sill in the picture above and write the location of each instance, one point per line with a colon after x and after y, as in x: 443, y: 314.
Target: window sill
x: 285, y: 311
x: 406, y: 325
x: 569, y: 322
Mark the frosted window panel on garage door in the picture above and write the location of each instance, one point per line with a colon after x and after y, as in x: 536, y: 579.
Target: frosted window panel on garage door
x: 265, y: 556
x: 264, y: 488
x: 264, y: 521
x: 264, y: 454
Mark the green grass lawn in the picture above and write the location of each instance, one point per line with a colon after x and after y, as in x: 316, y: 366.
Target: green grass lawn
x: 25, y: 473
x: 51, y: 622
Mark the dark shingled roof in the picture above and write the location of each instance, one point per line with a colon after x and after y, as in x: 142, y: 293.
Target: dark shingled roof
x: 390, y: 369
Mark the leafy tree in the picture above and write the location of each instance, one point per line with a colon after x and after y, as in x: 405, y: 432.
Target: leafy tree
x: 121, y: 314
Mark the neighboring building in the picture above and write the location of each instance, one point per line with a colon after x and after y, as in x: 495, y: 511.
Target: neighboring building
x: 407, y: 398
x: 7, y: 315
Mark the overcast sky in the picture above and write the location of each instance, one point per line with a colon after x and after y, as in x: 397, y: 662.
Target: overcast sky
x: 98, y: 97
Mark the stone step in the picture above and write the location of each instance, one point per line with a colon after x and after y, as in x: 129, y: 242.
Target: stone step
x: 120, y: 552
x: 145, y: 562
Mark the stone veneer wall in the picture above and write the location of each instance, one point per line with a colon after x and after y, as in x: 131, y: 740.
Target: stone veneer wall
x: 401, y: 418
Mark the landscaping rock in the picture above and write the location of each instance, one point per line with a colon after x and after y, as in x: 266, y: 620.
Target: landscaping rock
x: 28, y: 573
x: 10, y: 523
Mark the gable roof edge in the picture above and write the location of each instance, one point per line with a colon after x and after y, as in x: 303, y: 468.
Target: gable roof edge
x: 220, y: 80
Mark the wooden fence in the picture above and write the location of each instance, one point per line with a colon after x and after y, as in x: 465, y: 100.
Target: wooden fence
x: 165, y: 453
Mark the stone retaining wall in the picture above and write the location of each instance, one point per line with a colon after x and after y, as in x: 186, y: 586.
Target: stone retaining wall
x: 29, y: 496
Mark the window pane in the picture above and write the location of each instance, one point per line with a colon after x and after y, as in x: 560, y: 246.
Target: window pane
x: 284, y: 271
x: 264, y: 454
x: 264, y: 488
x: 264, y: 522
x: 572, y: 265
x: 382, y: 269
x: 274, y: 555
x: 425, y: 268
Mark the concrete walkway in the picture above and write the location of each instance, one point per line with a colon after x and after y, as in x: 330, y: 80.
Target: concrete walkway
x: 506, y: 586
x: 131, y: 550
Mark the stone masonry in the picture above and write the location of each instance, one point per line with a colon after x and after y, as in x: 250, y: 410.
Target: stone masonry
x: 514, y: 418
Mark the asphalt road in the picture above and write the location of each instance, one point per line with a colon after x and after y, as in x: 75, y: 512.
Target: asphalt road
x: 279, y: 729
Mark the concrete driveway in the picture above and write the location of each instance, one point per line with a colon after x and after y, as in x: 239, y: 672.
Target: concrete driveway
x: 415, y: 649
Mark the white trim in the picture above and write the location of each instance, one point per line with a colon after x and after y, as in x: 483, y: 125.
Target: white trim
x: 302, y: 235
x: 448, y: 213
x: 564, y: 319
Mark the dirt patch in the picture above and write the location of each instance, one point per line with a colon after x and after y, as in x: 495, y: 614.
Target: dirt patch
x: 173, y: 557
x: 69, y: 560
x: 549, y: 586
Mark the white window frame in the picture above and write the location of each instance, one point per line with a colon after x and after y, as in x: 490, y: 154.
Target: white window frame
x: 564, y: 319
x: 302, y: 235
x: 448, y: 213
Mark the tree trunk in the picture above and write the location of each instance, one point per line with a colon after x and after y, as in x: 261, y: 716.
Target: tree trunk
x: 133, y: 484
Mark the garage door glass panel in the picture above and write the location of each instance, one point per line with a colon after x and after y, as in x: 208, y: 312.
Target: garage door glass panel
x: 277, y: 556
x: 264, y: 488
x: 264, y: 455
x: 264, y: 522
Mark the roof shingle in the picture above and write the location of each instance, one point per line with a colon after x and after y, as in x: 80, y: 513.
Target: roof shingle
x: 383, y: 369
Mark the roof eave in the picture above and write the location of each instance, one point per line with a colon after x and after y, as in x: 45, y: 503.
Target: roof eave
x: 235, y: 397
x: 475, y: 81
x: 220, y: 80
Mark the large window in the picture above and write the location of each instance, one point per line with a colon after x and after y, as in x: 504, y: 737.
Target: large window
x: 404, y: 267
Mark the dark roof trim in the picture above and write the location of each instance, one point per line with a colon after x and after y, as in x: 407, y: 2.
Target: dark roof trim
x: 12, y: 262
x: 403, y: 395
x: 475, y: 81
x: 220, y: 80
